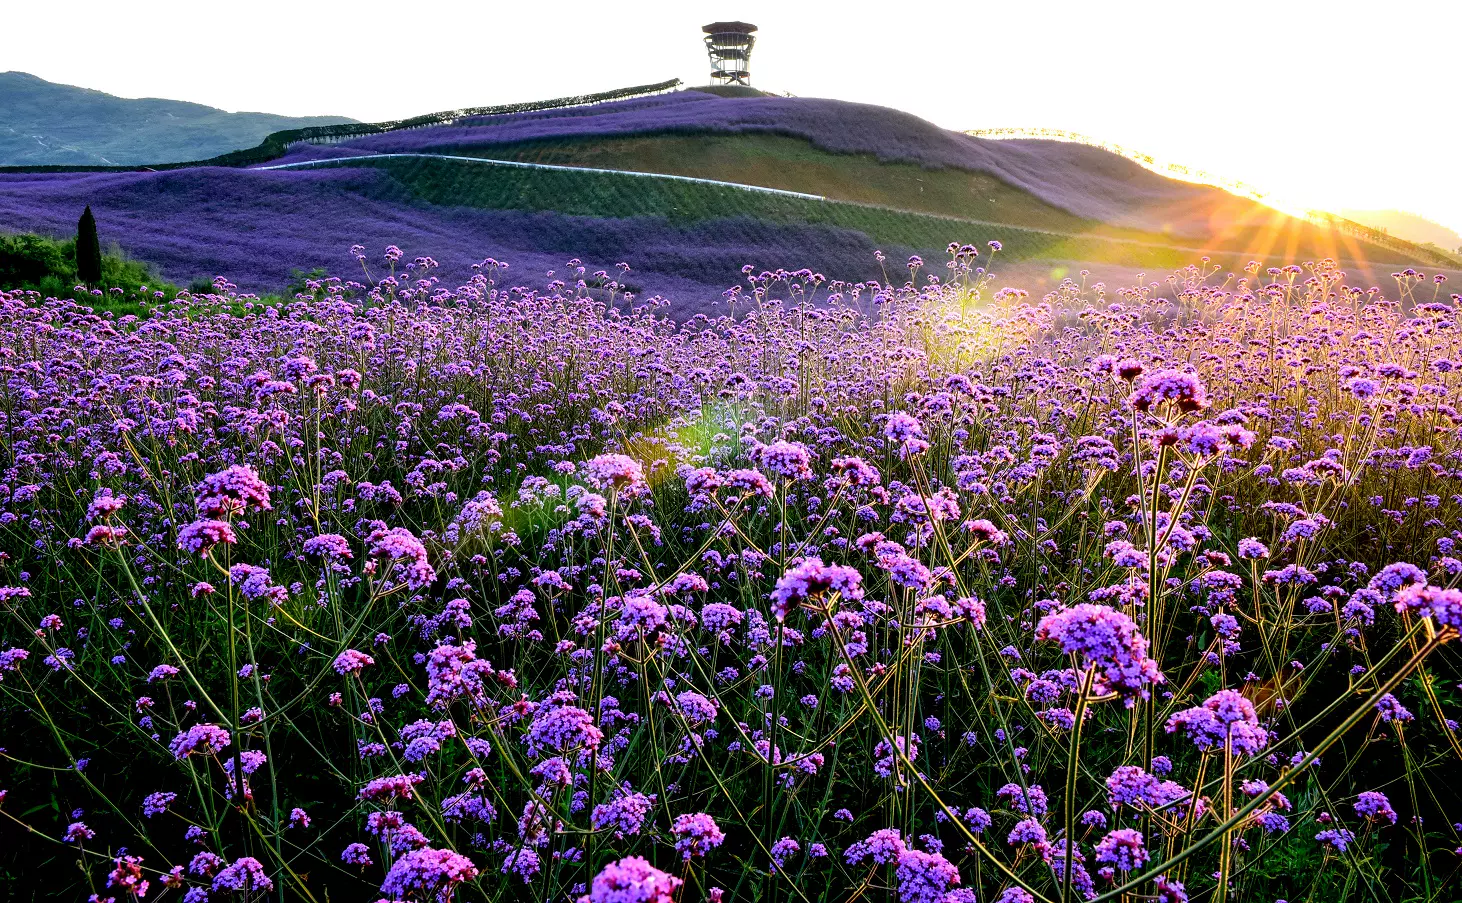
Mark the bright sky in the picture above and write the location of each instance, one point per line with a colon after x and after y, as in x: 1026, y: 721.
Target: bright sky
x: 1323, y: 104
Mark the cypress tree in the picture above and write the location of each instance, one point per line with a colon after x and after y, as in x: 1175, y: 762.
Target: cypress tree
x: 88, y: 250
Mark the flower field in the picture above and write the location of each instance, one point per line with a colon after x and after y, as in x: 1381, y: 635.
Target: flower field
x: 1093, y: 185
x: 919, y: 588
x: 1052, y: 201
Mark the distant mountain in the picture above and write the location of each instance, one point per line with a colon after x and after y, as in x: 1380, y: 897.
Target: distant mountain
x: 43, y: 123
x: 1408, y: 226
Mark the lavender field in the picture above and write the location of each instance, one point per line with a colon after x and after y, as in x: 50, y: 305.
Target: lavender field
x: 1088, y: 183
x: 918, y: 588
x: 259, y: 227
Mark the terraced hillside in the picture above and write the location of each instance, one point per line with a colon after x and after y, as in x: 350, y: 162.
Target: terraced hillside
x: 884, y: 180
x: 1233, y: 224
x: 694, y: 133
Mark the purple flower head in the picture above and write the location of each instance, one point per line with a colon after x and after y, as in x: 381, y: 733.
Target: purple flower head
x: 619, y: 472
x: 126, y: 876
x: 401, y: 548
x: 808, y: 579
x: 718, y: 616
x: 1167, y: 890
x: 427, y: 874
x: 696, y: 834
x: 1027, y: 831
x: 157, y: 803
x: 1226, y: 715
x: 886, y: 754
x: 1030, y: 800
x: 104, y: 505
x: 906, y: 433
x: 703, y: 481
x: 331, y: 546
x: 924, y: 877
x: 1107, y: 639
x: 977, y: 819
x: 560, y: 729
x: 695, y: 708
x: 856, y: 471
x: 882, y: 847
x: 1252, y: 549
x: 784, y: 849
x: 1123, y: 849
x: 632, y: 880
x: 749, y: 482
x: 456, y: 673
x: 78, y: 832
x: 204, y: 739
x: 352, y: 661
x: 244, y: 875
x: 233, y: 490
x: 398, y: 786
x: 1395, y: 577
x: 624, y: 815
x: 11, y: 659
x: 1391, y: 709
x: 1339, y: 838
x: 640, y: 615
x: 788, y: 460
x: 1129, y: 785
x: 1183, y: 391
x: 1443, y: 606
x: 1373, y: 805
x: 202, y: 535
x: 987, y: 532
x: 357, y: 854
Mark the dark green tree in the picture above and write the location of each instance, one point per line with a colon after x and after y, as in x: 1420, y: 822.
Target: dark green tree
x: 88, y: 250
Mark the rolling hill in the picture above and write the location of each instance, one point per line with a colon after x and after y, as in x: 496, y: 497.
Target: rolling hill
x: 43, y: 123
x: 1408, y: 226
x: 644, y: 181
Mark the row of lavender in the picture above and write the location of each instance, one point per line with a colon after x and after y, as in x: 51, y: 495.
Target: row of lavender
x: 499, y: 593
x: 260, y: 228
x: 1085, y: 181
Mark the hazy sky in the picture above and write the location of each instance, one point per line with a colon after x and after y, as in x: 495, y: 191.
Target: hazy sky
x: 1328, y: 104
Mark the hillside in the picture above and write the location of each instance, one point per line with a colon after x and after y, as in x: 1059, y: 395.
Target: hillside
x: 1087, y: 183
x: 42, y: 123
x: 873, y: 180
x: 1408, y: 226
x: 793, y: 164
x: 685, y: 239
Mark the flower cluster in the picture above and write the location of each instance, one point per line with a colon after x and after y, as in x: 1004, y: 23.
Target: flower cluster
x: 1109, y: 641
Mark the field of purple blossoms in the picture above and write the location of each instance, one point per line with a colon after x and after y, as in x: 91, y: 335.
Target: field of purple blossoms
x: 259, y: 227
x: 1085, y: 181
x: 919, y: 591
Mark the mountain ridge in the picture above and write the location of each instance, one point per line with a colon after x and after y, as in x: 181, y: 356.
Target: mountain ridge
x: 44, y: 123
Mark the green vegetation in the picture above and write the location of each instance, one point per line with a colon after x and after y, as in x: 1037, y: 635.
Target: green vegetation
x: 584, y: 193
x: 49, y: 266
x: 792, y: 164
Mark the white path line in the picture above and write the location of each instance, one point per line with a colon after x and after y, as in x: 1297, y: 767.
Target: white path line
x: 346, y: 161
